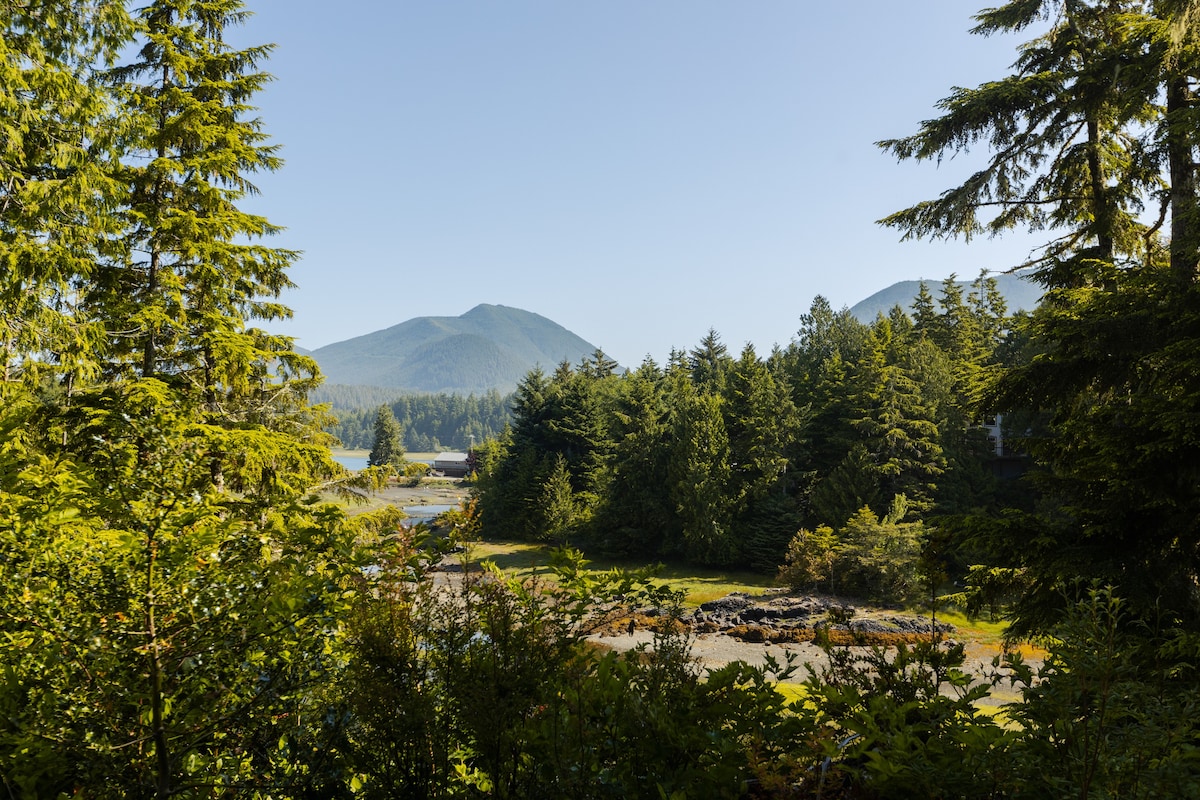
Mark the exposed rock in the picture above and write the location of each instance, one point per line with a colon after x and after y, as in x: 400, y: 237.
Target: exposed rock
x: 729, y: 604
x: 781, y: 618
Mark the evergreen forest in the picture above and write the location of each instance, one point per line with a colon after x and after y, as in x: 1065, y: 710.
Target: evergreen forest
x: 720, y: 460
x: 188, y: 609
x: 429, y: 422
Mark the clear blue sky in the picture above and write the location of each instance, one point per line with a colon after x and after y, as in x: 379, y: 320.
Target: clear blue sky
x: 636, y: 170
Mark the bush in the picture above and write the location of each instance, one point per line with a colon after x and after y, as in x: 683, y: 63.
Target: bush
x: 877, y: 560
x: 810, y: 559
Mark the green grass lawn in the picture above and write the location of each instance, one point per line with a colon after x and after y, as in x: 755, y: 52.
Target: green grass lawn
x: 699, y: 585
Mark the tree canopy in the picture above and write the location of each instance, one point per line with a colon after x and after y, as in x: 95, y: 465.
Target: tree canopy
x: 1092, y: 138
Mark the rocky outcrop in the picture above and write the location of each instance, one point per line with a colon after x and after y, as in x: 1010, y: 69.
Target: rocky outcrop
x: 798, y: 618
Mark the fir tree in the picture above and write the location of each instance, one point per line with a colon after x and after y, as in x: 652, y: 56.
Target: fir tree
x: 636, y: 515
x: 56, y: 186
x: 171, y: 630
x: 699, y: 476
x: 386, y: 448
x: 896, y: 423
x: 762, y: 424
x: 1094, y: 126
x: 192, y: 275
x: 710, y: 362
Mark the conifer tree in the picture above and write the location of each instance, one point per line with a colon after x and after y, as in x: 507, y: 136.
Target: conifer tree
x: 1094, y: 128
x: 178, y: 297
x: 169, y: 631
x: 576, y: 428
x: 896, y: 423
x: 193, y: 273
x: 637, y: 512
x: 762, y: 424
x: 1064, y: 136
x: 710, y: 362
x: 56, y: 188
x: 924, y: 315
x: 828, y: 344
x: 699, y: 476
x: 510, y: 491
x: 557, y: 503
x: 387, y: 449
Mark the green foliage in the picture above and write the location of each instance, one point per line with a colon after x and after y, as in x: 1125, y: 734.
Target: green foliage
x: 386, y: 449
x: 876, y: 559
x: 1112, y: 711
x: 710, y: 363
x: 1061, y: 131
x: 699, y: 474
x: 762, y: 424
x: 1119, y: 466
x: 180, y: 617
x: 160, y: 635
x: 191, y: 274
x: 171, y: 597
x: 488, y: 689
x: 724, y: 470
x: 766, y: 531
x: 1095, y: 124
x: 810, y: 559
x: 896, y: 422
x: 879, y: 559
x: 852, y: 485
x: 906, y: 725
x: 636, y: 513
x: 429, y: 422
x: 57, y: 155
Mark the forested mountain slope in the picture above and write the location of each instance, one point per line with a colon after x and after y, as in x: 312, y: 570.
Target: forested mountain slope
x: 489, y: 347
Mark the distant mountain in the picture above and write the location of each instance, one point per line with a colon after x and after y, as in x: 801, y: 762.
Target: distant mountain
x: 489, y: 347
x: 1019, y: 294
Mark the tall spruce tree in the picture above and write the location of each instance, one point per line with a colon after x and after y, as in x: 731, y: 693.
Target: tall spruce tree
x: 1094, y: 129
x: 896, y: 422
x: 1065, y: 136
x: 510, y: 492
x: 699, y: 475
x: 710, y: 362
x: 637, y: 513
x: 193, y: 273
x: 762, y: 424
x: 179, y: 298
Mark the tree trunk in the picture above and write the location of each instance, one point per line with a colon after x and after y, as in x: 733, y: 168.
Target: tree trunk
x: 1185, y: 215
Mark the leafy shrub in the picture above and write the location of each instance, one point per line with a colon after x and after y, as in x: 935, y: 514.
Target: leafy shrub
x: 1112, y: 711
x: 876, y: 559
x: 810, y: 559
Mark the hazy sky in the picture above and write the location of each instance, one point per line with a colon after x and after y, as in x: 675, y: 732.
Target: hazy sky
x: 638, y: 171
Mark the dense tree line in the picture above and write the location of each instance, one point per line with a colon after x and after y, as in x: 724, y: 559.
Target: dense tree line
x: 720, y: 460
x: 428, y: 423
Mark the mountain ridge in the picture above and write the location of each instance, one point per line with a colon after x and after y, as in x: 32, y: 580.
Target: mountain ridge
x: 1019, y: 291
x: 488, y: 347
x: 495, y: 346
